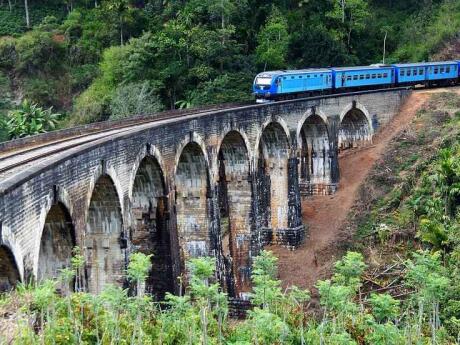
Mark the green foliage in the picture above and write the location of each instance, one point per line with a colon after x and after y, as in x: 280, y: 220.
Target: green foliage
x: 273, y: 41
x: 200, y: 315
x: 138, y: 267
x: 384, y: 307
x: 348, y: 271
x: 349, y: 16
x: 30, y: 119
x: 267, y: 289
x: 38, y: 51
x: 134, y: 99
x: 427, y: 31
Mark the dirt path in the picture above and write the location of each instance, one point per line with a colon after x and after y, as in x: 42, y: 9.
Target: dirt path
x: 325, y: 215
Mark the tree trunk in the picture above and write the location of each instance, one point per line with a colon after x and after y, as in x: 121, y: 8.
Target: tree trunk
x: 26, y: 6
x: 121, y: 29
x: 10, y: 5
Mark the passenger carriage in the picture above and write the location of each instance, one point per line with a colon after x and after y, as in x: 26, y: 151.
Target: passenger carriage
x: 410, y: 73
x: 363, y: 77
x: 441, y: 73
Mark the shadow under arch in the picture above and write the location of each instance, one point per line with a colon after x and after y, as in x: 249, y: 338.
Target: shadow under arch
x: 105, y: 242
x: 192, y: 191
x: 9, y: 273
x: 56, y: 244
x: 272, y: 179
x: 315, y: 156
x: 235, y: 203
x: 150, y: 231
x: 355, y: 127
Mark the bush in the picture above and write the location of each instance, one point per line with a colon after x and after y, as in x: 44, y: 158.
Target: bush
x: 134, y: 99
x: 7, y: 52
x: 92, y: 105
x: 39, y: 51
x: 30, y: 119
x: 40, y: 90
x: 223, y: 89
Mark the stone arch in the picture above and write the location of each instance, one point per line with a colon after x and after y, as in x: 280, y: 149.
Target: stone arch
x: 315, y: 158
x: 149, y: 233
x: 56, y: 243
x: 196, y: 139
x: 270, y: 122
x: 105, y: 241
x: 103, y: 169
x: 246, y: 143
x: 310, y: 112
x: 235, y: 198
x: 192, y: 191
x: 9, y: 273
x: 146, y: 151
x: 272, y: 180
x: 355, y: 127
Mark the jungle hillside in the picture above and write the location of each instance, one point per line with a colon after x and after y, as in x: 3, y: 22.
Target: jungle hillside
x: 81, y: 61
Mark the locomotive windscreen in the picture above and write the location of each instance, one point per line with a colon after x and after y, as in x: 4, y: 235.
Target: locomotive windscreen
x: 263, y: 81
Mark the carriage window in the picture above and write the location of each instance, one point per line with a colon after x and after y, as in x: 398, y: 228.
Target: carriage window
x: 414, y: 71
x: 401, y: 73
x: 284, y: 77
x: 420, y: 71
x: 320, y: 75
x: 300, y: 77
x: 355, y: 77
x: 368, y: 76
x: 435, y: 70
x: 408, y: 72
x: 448, y: 69
x: 361, y: 76
x: 379, y: 75
x: 349, y: 77
x: 385, y: 75
x: 308, y: 76
x: 441, y: 70
x: 373, y: 76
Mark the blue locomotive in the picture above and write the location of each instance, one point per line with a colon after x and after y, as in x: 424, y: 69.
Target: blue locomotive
x: 285, y: 84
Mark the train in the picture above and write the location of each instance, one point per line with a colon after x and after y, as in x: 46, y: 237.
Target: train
x: 287, y: 84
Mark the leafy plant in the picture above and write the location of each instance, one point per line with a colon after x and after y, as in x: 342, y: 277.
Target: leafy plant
x: 30, y: 119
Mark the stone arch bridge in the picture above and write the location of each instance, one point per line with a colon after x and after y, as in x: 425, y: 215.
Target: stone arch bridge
x: 222, y: 183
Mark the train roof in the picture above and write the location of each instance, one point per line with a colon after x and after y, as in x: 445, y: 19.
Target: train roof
x: 294, y: 71
x: 431, y: 63
x: 360, y: 68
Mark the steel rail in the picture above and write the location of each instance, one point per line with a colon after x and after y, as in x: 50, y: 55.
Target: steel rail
x: 121, y: 128
x: 129, y: 124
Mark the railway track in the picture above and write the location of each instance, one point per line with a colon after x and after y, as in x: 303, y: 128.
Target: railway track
x: 22, y: 156
x: 28, y: 151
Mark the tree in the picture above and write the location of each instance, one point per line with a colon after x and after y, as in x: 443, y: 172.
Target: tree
x: 351, y: 16
x: 26, y: 7
x: 273, y: 41
x: 120, y: 9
